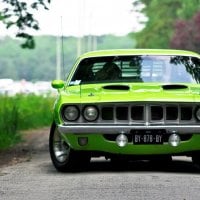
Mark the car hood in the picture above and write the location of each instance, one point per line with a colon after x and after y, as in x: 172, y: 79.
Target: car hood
x: 124, y: 92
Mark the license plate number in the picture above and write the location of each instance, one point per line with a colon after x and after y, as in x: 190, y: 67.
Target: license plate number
x: 147, y: 137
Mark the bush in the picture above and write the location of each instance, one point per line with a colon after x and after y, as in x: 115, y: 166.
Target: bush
x: 22, y: 112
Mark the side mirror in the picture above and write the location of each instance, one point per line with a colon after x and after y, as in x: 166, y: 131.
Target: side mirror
x: 57, y: 84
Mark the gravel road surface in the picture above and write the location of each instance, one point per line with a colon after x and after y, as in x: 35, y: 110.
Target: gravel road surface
x: 33, y: 177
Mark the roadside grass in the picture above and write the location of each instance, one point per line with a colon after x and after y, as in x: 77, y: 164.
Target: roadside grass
x: 22, y: 112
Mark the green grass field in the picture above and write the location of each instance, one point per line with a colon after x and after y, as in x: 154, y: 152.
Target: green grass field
x: 22, y: 112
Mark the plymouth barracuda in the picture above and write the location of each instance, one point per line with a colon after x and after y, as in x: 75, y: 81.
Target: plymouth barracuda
x: 127, y: 104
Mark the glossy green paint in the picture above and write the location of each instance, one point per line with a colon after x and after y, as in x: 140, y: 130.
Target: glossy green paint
x: 57, y: 84
x: 137, y: 92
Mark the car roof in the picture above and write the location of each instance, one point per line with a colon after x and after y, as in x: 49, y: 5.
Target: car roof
x: 124, y: 52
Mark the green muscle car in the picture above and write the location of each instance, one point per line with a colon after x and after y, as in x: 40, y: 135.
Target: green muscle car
x: 127, y: 104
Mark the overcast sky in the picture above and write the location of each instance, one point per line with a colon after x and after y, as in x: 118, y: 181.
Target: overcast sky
x: 83, y: 17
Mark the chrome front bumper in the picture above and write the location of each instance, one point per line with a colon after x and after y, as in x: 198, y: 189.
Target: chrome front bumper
x: 114, y: 129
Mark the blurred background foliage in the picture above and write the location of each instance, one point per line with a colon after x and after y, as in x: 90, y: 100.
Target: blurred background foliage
x: 40, y: 63
x: 22, y: 112
x: 170, y: 24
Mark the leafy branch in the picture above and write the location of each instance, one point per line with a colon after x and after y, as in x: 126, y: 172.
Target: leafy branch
x: 18, y: 14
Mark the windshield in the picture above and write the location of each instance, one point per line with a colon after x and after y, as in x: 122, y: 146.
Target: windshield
x: 163, y: 69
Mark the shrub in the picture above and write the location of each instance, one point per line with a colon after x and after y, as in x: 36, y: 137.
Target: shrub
x: 22, y: 112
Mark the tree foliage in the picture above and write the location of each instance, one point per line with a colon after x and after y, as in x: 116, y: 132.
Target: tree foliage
x: 19, y: 14
x: 187, y: 34
x: 40, y: 63
x: 162, y: 16
x: 188, y: 9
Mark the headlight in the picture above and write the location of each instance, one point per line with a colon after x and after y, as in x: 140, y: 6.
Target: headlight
x: 197, y: 113
x: 90, y: 113
x: 71, y: 113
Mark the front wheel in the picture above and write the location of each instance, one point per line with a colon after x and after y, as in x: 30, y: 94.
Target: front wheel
x: 63, y: 157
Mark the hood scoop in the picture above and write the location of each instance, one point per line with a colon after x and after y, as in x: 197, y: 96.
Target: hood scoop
x: 116, y: 87
x: 174, y: 87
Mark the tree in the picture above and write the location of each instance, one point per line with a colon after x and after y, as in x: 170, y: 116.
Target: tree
x: 19, y: 14
x: 187, y: 34
x: 162, y: 16
x: 188, y: 9
x: 159, y: 27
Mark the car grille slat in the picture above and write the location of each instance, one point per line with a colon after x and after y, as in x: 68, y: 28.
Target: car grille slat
x: 147, y: 114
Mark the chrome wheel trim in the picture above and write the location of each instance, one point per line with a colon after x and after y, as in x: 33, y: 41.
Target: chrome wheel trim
x: 60, y: 147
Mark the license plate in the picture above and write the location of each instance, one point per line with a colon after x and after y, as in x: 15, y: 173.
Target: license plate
x: 148, y: 137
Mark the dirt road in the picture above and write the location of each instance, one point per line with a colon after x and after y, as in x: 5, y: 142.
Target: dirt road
x: 33, y: 142
x: 33, y: 177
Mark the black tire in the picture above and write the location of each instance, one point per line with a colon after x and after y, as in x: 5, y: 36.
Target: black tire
x: 119, y: 161
x: 161, y: 161
x: 164, y: 159
x: 63, y: 157
x: 196, y: 160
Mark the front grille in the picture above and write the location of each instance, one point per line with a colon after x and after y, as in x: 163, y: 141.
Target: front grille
x: 160, y: 114
x: 172, y: 113
x: 142, y: 114
x: 156, y: 113
x: 137, y: 113
x: 122, y: 113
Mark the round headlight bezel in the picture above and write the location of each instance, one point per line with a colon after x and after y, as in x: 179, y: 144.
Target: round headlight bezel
x: 197, y: 113
x: 88, y: 113
x: 69, y: 109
